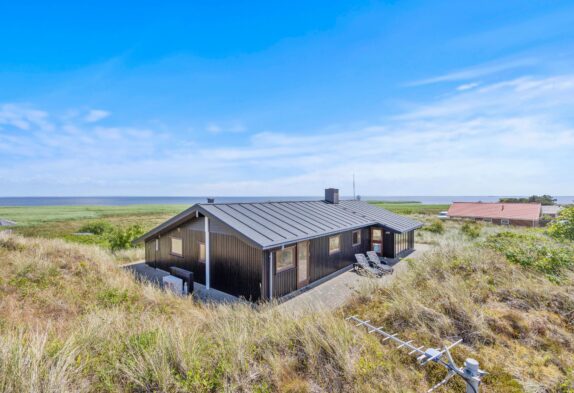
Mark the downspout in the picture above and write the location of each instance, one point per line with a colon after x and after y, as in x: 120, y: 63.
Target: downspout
x: 270, y: 275
x: 207, y: 256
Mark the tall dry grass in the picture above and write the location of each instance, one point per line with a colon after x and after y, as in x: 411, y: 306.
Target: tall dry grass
x: 71, y: 320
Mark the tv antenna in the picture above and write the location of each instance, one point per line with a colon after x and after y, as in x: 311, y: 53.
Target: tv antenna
x: 469, y: 372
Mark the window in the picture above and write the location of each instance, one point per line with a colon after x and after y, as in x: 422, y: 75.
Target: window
x: 356, y: 238
x: 285, y: 259
x: 334, y: 244
x: 487, y: 220
x: 176, y: 247
x: 201, y: 257
x: 377, y: 235
x: 157, y: 244
x: 505, y: 221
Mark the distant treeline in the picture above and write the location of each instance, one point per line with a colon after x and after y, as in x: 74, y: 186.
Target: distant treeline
x: 546, y: 200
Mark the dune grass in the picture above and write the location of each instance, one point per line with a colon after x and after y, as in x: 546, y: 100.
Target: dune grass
x: 72, y: 321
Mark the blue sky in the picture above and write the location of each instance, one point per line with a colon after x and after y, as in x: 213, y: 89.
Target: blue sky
x: 286, y: 98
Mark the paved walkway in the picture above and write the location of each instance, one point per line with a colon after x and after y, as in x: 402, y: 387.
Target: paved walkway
x: 337, y: 291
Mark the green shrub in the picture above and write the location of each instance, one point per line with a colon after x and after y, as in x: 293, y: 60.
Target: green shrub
x: 562, y: 227
x: 471, y: 230
x: 535, y: 251
x: 96, y: 227
x: 121, y: 238
x: 435, y: 227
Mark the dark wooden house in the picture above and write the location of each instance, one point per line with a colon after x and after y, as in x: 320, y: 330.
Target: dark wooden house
x: 265, y: 250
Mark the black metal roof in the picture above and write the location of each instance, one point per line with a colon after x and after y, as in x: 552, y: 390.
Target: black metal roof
x: 272, y: 224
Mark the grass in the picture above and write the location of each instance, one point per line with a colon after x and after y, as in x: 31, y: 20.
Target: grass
x: 34, y: 215
x: 411, y: 208
x: 71, y: 321
x: 65, y: 221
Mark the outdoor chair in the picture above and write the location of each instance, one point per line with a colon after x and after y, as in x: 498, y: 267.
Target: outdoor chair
x: 375, y: 260
x: 363, y: 264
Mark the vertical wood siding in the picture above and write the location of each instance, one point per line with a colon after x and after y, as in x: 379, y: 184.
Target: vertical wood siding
x: 235, y: 266
x: 321, y: 264
x: 163, y: 259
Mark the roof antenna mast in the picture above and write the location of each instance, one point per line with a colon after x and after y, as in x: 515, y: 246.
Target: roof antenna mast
x: 470, y: 372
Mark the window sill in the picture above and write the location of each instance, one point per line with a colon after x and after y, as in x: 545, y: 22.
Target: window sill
x: 176, y: 255
x: 285, y: 269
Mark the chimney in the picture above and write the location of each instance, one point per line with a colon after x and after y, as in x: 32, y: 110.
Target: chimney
x: 210, y: 200
x: 332, y: 195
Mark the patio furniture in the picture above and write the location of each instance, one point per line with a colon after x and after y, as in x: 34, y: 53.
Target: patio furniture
x: 375, y: 260
x: 363, y: 263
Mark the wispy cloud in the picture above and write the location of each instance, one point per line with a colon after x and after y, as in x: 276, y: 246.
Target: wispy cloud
x: 95, y: 115
x: 478, y: 71
x: 217, y: 128
x: 500, y: 138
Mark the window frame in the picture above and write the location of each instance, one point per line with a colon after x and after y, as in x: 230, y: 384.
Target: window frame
x: 359, y: 237
x: 338, y: 250
x: 199, y: 244
x: 171, y: 252
x: 293, y: 264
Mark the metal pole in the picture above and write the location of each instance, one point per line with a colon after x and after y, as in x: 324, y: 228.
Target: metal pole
x: 472, y: 371
x: 207, y: 256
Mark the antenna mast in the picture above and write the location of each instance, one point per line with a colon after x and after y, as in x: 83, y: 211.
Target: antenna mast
x: 470, y: 372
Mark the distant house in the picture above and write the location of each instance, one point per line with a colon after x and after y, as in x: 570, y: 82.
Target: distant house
x: 266, y: 250
x: 523, y: 214
x: 551, y: 211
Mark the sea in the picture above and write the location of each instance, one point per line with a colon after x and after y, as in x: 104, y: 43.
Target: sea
x: 161, y: 200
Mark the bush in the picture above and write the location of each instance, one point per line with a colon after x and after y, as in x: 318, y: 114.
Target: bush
x: 562, y: 227
x: 471, y: 230
x: 538, y: 252
x: 435, y: 227
x: 121, y: 238
x: 96, y: 227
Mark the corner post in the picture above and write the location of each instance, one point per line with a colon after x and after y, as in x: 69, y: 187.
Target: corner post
x: 207, y: 255
x: 270, y: 275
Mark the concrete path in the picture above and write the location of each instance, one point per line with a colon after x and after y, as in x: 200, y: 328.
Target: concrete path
x: 337, y: 291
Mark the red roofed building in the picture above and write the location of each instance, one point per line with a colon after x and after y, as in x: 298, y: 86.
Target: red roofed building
x: 525, y: 214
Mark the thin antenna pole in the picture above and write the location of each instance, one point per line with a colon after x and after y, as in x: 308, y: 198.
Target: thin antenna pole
x: 470, y: 372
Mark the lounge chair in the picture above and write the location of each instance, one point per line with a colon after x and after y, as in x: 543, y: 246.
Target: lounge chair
x: 363, y: 264
x: 375, y: 260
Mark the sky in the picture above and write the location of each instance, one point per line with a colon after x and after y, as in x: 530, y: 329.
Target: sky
x: 260, y: 98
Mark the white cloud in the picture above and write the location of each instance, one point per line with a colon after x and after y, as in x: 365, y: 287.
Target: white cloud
x: 467, y: 86
x: 511, y: 137
x: 233, y: 127
x: 477, y: 71
x: 95, y: 115
x: 23, y: 118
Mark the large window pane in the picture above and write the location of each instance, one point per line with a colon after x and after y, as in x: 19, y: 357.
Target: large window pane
x: 176, y: 246
x: 285, y: 259
x: 334, y: 244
